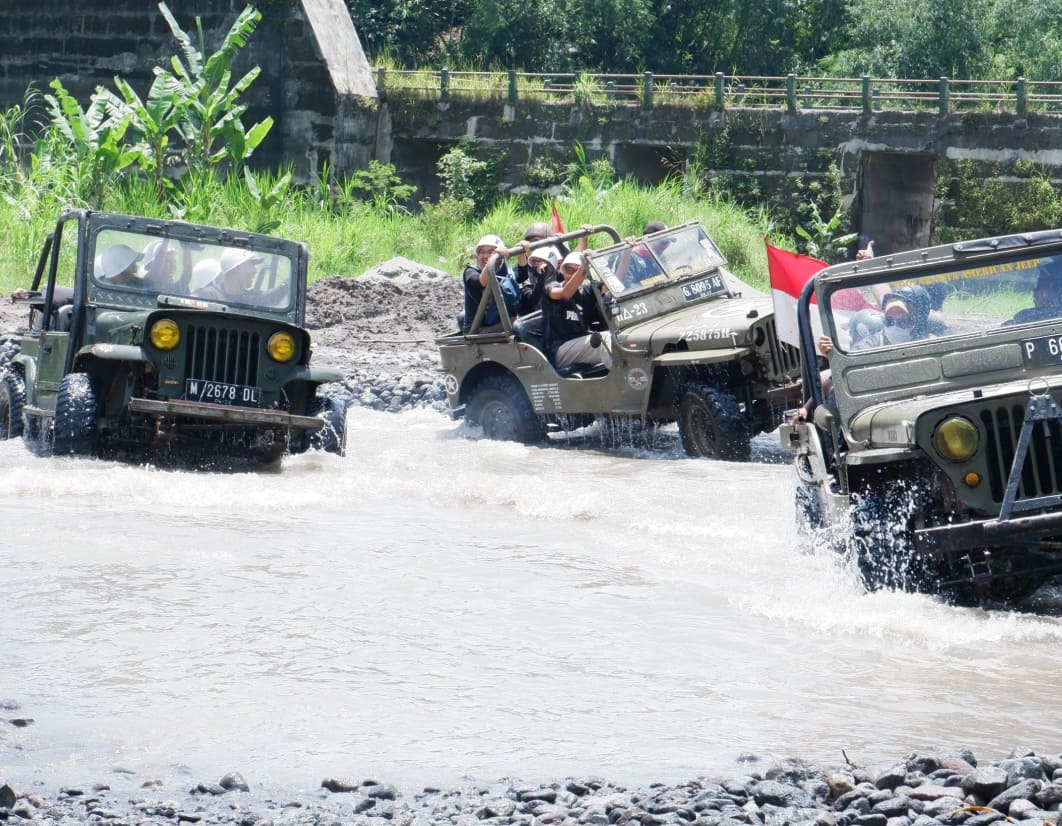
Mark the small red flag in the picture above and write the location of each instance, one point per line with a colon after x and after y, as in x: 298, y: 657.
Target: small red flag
x: 555, y: 220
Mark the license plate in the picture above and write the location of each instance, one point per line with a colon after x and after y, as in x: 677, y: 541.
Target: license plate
x: 217, y: 392
x: 703, y: 286
x: 1044, y: 351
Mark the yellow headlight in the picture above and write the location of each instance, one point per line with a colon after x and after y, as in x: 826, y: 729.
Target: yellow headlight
x: 956, y: 439
x: 165, y: 334
x: 281, y: 347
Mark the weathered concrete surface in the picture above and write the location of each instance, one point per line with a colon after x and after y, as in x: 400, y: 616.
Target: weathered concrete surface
x: 315, y: 81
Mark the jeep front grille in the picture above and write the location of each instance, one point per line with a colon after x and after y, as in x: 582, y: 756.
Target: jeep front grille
x: 784, y: 357
x: 218, y: 354
x: 1042, y: 474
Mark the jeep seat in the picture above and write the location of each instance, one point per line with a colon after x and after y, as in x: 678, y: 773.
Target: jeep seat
x: 529, y: 329
x: 582, y: 370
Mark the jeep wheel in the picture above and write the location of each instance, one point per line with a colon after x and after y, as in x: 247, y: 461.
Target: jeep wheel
x: 12, y: 398
x: 809, y: 517
x: 882, y: 544
x: 711, y: 424
x: 76, y: 411
x: 500, y: 406
x: 332, y: 438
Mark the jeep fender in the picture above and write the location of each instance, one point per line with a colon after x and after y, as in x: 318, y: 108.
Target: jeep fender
x: 316, y: 375
x: 110, y: 352
x: 29, y: 369
x: 680, y: 358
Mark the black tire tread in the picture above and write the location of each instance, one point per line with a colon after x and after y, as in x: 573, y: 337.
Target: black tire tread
x: 12, y: 400
x: 729, y: 438
x: 504, y: 392
x: 76, y: 412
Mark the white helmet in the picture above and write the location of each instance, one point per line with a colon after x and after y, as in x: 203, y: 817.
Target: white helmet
x: 550, y: 254
x: 203, y: 273
x: 573, y: 258
x: 491, y: 241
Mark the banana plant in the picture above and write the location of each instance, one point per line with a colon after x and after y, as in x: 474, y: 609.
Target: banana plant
x: 821, y: 240
x: 153, y: 120
x: 209, y: 122
x: 96, y: 135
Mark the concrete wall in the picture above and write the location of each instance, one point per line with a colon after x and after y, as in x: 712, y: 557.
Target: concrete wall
x: 315, y: 81
x: 888, y: 161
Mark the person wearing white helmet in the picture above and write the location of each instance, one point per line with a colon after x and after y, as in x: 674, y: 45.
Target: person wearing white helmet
x: 568, y: 309
x: 534, y: 269
x: 235, y: 279
x: 475, y: 279
x: 118, y: 264
x: 160, y: 264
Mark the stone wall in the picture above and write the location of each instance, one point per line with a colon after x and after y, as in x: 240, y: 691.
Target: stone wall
x: 315, y: 81
x: 888, y: 162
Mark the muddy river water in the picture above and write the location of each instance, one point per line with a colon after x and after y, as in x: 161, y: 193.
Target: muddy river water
x: 434, y: 607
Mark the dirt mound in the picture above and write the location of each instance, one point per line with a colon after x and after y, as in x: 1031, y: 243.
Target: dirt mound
x: 379, y: 329
x: 398, y: 303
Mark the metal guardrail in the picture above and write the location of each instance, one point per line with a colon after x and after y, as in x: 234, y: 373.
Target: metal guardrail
x: 792, y: 93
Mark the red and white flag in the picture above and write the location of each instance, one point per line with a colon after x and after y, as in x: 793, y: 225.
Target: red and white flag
x: 555, y: 220
x: 789, y: 272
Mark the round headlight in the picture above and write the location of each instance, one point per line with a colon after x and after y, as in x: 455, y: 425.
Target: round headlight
x: 281, y: 347
x: 956, y: 439
x: 165, y: 334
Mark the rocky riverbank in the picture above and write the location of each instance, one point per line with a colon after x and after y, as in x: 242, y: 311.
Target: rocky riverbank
x: 922, y: 789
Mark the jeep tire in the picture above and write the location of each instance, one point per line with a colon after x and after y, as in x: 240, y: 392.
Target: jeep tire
x: 711, y: 423
x: 500, y: 406
x: 12, y: 399
x: 76, y: 411
x: 332, y: 438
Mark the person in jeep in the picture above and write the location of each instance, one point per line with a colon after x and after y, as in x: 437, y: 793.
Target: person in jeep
x: 1047, y: 299
x: 569, y: 309
x: 475, y: 281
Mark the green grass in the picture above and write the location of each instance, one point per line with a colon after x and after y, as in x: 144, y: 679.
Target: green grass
x: 351, y: 237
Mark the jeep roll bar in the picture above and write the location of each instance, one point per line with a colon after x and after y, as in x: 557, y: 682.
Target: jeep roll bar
x: 809, y: 373
x: 494, y: 288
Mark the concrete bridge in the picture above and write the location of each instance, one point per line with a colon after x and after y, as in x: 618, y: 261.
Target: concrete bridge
x: 893, y: 143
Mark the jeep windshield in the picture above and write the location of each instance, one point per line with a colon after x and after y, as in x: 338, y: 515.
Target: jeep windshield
x: 660, y: 273
x: 952, y: 299
x: 130, y: 266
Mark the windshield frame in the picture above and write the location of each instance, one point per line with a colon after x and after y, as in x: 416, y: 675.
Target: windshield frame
x: 278, y: 264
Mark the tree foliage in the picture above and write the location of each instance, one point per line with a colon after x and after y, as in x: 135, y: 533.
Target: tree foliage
x: 915, y: 39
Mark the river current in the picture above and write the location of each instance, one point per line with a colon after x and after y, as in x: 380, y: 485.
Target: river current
x: 435, y: 607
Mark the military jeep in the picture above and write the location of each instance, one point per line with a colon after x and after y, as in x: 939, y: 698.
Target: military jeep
x: 691, y: 344
x: 935, y: 459
x: 165, y: 340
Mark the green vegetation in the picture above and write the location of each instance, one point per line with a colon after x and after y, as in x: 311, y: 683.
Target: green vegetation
x: 921, y: 39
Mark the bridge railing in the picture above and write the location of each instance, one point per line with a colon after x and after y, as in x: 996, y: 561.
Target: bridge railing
x: 722, y: 91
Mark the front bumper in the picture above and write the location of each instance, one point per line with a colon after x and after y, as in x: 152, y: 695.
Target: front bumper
x: 251, y: 416
x: 989, y: 533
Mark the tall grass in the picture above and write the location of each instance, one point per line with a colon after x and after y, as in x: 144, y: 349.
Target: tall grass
x: 350, y: 237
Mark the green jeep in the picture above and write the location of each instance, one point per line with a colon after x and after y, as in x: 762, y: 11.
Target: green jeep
x: 935, y: 458
x: 165, y: 340
x: 691, y: 343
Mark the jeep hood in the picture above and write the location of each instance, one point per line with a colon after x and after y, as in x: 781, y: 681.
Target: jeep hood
x: 722, y: 324
x: 892, y: 424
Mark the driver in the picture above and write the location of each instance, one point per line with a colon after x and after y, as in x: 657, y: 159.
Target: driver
x: 1047, y: 300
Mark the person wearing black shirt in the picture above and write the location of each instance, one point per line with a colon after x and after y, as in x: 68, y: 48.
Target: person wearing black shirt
x: 475, y: 279
x: 568, y: 307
